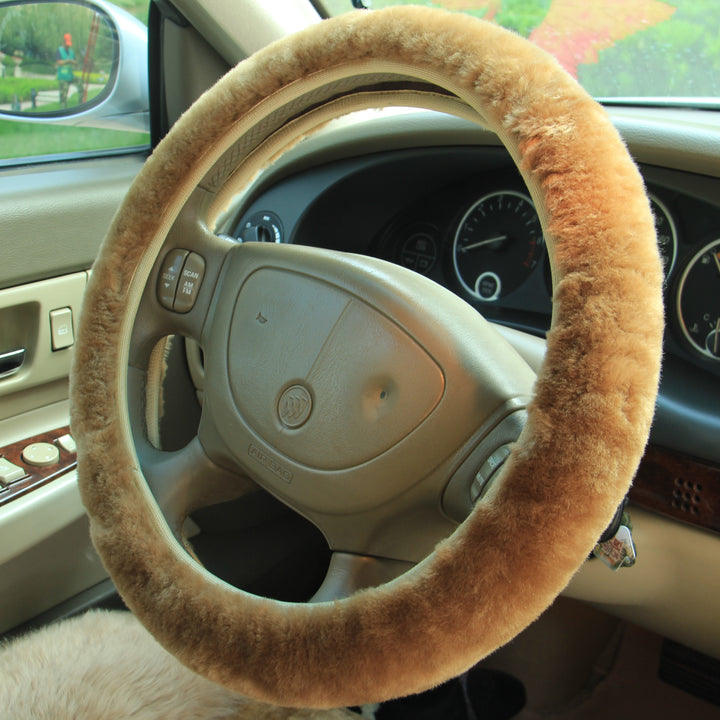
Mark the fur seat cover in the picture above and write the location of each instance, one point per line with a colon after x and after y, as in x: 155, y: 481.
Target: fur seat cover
x: 594, y: 397
x: 106, y: 666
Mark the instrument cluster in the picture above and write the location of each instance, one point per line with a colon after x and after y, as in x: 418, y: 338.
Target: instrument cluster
x: 492, y: 252
x: 467, y: 221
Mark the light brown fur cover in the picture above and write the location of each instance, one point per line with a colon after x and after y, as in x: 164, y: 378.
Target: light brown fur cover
x: 588, y: 423
x: 106, y: 666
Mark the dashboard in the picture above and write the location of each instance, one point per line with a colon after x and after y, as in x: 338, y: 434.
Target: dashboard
x: 462, y: 216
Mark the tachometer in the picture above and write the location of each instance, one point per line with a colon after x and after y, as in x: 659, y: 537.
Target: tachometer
x: 497, y: 244
x: 698, y: 301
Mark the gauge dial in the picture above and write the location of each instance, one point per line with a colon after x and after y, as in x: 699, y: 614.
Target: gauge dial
x: 666, y: 234
x: 497, y: 244
x: 698, y: 301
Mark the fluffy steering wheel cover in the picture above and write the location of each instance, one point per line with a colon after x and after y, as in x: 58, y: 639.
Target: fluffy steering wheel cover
x: 588, y: 423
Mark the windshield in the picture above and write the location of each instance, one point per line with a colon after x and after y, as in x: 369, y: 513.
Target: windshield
x: 658, y: 51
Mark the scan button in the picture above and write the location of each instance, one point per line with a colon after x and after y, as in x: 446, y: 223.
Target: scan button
x: 189, y: 283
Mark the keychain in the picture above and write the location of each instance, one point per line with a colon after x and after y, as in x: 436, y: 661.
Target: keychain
x: 619, y: 550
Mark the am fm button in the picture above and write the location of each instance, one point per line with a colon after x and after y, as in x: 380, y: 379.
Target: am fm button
x: 189, y: 283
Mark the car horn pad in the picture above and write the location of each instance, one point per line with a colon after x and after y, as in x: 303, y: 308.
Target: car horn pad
x: 587, y: 424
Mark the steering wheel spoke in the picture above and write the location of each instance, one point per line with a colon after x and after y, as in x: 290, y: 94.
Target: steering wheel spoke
x: 347, y: 386
x: 348, y: 573
x: 183, y: 480
x: 186, y: 480
x: 181, y: 285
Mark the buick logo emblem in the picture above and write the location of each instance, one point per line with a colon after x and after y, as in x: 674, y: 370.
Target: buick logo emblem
x: 294, y: 406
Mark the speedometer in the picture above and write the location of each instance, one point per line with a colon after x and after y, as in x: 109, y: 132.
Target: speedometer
x: 698, y: 301
x: 497, y: 244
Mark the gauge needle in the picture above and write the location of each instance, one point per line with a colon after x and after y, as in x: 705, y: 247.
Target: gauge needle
x: 717, y: 260
x: 474, y: 246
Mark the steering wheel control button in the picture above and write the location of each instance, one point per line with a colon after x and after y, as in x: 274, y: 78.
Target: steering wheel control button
x: 189, y: 283
x: 487, y: 471
x: 295, y: 406
x: 67, y: 443
x: 9, y: 472
x: 169, y: 277
x: 179, y: 281
x: 41, y: 454
x: 61, y: 328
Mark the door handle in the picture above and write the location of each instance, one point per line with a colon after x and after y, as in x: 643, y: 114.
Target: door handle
x: 11, y: 362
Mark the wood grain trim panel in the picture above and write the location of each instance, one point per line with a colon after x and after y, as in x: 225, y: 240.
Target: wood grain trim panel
x: 674, y: 485
x: 679, y: 487
x: 35, y: 477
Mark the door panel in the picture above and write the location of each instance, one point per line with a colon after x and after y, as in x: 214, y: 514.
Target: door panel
x: 52, y: 220
x: 54, y: 216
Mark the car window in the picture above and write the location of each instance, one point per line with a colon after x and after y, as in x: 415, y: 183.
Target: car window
x: 56, y: 60
x: 658, y: 51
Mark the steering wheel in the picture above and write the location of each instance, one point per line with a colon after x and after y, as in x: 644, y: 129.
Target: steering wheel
x: 364, y: 396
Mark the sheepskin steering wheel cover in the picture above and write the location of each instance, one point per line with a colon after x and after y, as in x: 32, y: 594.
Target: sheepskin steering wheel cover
x: 588, y: 423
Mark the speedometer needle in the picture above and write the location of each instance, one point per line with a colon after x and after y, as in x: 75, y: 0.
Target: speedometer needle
x: 474, y: 246
x: 716, y: 257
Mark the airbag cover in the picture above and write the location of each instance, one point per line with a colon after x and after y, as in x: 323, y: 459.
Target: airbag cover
x: 294, y: 330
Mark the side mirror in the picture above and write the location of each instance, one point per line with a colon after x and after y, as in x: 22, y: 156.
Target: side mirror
x: 73, y: 63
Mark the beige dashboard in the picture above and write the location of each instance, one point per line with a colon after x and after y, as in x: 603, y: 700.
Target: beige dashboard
x: 45, y: 553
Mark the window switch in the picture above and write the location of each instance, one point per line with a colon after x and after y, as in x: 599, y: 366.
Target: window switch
x: 61, y: 328
x: 9, y: 472
x: 67, y: 443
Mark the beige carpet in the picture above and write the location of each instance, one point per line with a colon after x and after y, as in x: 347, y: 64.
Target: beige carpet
x: 580, y: 664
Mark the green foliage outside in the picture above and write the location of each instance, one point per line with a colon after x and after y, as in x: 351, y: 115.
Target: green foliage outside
x: 36, y: 67
x: 137, y: 8
x: 34, y: 32
x: 678, y: 57
x: 519, y: 15
x: 18, y: 140
x: 73, y: 101
x: 522, y: 16
x: 22, y: 88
